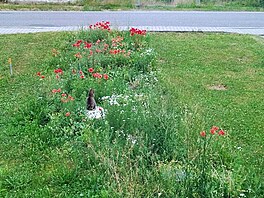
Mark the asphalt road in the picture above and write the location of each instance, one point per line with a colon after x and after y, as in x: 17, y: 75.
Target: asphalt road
x: 240, y: 22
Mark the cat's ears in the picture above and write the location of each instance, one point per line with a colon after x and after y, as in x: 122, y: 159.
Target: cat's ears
x: 91, y: 91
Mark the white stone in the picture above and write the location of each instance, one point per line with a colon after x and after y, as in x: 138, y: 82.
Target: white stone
x: 96, y: 114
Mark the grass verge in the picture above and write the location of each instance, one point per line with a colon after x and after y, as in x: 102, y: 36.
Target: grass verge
x: 40, y: 7
x: 148, y: 147
x: 93, y: 6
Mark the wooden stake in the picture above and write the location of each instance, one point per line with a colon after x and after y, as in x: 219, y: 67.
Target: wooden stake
x: 10, y: 64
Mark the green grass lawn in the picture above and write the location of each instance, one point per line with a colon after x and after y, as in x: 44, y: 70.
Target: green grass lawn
x: 192, y: 64
x: 191, y: 69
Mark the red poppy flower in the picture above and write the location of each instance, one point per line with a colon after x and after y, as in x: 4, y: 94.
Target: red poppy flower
x: 54, y: 91
x: 42, y: 77
x: 101, y: 26
x: 58, y: 71
x: 78, y: 43
x: 214, y: 129
x: 203, y: 133
x: 82, y: 77
x: 95, y: 75
x: 38, y: 74
x: 221, y: 132
x: 134, y: 31
x: 91, y: 70
x: 67, y: 114
x: 114, y: 51
x: 106, y: 46
x: 64, y: 95
x: 106, y: 76
x: 87, y: 45
x: 70, y: 98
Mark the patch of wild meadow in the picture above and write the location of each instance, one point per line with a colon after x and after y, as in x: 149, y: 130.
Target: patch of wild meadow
x: 149, y: 142
x: 88, y: 5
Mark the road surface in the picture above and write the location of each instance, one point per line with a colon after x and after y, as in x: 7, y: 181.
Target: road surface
x: 205, y: 21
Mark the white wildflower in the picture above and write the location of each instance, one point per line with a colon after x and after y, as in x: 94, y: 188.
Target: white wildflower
x: 131, y: 139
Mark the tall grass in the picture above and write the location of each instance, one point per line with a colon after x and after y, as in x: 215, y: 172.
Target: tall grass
x: 176, y: 4
x: 249, y: 3
x: 129, y: 3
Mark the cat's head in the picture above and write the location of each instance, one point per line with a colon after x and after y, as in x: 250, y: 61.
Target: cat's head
x: 91, y: 93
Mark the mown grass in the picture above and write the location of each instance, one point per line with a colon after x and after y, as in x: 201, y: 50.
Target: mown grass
x: 192, y: 63
x: 27, y: 53
x: 36, y: 163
